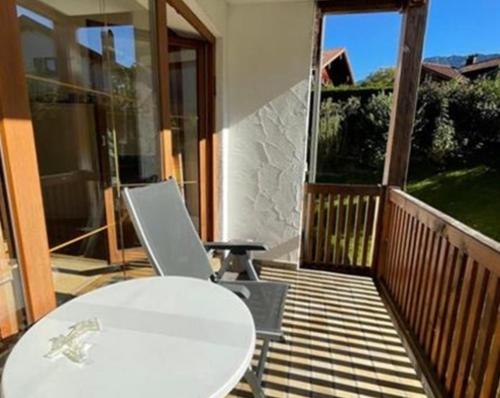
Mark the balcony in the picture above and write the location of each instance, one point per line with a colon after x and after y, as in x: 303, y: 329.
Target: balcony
x: 401, y: 297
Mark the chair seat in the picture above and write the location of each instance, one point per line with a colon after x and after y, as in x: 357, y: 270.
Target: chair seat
x: 266, y: 303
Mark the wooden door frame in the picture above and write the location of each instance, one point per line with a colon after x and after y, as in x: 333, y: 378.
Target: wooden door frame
x: 21, y: 171
x: 208, y: 146
x: 203, y: 48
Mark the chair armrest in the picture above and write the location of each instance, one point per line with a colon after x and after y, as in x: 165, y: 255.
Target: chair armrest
x: 236, y: 247
x: 238, y: 289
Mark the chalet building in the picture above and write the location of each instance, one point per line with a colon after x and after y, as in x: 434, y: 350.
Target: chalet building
x: 336, y: 68
x: 472, y: 70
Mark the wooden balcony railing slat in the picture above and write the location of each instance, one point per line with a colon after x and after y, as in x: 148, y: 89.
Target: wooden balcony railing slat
x: 320, y: 228
x: 490, y: 380
x: 426, y: 326
x: 444, y: 303
x: 451, y: 313
x: 330, y: 223
x: 339, y: 230
x: 356, y: 230
x: 485, y: 334
x: 400, y: 254
x: 437, y: 294
x: 348, y: 229
x: 425, y: 280
x: 471, y: 331
x: 417, y: 272
x: 367, y: 226
x: 461, y: 322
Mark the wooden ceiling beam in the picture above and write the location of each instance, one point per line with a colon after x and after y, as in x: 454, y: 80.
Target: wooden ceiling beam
x: 355, y: 6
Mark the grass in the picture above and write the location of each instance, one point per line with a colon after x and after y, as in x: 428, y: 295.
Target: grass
x: 472, y: 196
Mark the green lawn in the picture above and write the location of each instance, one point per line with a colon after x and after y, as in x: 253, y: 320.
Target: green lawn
x: 471, y: 196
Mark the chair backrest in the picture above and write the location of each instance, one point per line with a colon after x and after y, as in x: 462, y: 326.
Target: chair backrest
x: 164, y: 227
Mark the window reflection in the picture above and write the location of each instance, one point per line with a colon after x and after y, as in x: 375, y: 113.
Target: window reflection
x: 89, y: 70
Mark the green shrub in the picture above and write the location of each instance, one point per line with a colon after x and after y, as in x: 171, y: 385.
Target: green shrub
x: 457, y: 123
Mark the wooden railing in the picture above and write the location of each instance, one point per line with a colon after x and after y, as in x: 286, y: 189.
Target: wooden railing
x: 339, y: 225
x: 443, y: 280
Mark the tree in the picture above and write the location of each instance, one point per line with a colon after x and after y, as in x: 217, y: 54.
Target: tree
x: 381, y: 78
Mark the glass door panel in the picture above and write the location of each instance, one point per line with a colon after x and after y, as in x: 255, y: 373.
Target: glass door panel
x: 183, y: 69
x: 93, y: 97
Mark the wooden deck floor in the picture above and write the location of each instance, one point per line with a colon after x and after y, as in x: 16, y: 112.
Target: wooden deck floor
x: 340, y: 339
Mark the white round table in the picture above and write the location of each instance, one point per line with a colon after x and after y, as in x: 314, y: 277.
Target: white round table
x: 161, y: 337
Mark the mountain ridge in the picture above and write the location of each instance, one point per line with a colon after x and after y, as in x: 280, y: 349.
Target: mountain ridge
x: 457, y: 61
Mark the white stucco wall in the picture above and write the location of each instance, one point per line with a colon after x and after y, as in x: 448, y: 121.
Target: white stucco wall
x: 269, y: 48
x: 263, y: 66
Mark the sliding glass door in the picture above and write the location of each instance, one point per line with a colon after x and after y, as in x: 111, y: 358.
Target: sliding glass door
x: 92, y: 91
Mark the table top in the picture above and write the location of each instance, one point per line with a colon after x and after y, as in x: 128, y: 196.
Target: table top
x: 160, y: 337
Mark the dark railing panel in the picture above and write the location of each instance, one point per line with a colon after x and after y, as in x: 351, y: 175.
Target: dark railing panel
x: 444, y: 279
x: 339, y: 223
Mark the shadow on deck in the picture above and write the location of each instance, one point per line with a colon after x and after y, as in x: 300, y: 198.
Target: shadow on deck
x: 340, y: 340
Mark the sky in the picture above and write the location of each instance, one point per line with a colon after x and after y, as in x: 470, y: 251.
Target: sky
x: 91, y: 36
x: 455, y: 27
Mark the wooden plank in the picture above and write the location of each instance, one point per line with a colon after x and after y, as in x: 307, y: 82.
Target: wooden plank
x: 405, y: 94
x: 383, y: 231
x: 491, y: 377
x: 357, y: 228
x: 348, y: 229
x: 354, y: 6
x: 328, y: 244
x: 183, y: 9
x: 161, y: 47
x: 404, y: 236
x: 339, y: 229
x: 444, y: 305
x: 9, y: 323
x: 463, y: 311
x: 367, y: 230
x: 396, y: 242
x: 438, y: 241
x: 471, y: 330
x: 320, y: 229
x: 426, y: 275
x: 412, y: 279
x: 419, y: 275
x: 379, y: 241
x: 345, y: 189
x: 437, y: 294
x: 451, y: 314
x: 406, y: 263
x: 484, y: 337
x: 311, y: 203
x: 21, y: 171
x: 483, y: 249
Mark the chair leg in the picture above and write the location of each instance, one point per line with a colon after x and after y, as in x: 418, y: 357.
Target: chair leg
x: 245, y: 263
x: 262, y: 359
x: 254, y: 384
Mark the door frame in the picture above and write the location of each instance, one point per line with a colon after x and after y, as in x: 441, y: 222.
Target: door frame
x: 208, y: 144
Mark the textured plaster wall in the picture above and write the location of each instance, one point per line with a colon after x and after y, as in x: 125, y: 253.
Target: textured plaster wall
x: 268, y: 62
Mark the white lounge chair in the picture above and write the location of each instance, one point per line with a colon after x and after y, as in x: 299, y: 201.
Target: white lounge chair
x: 172, y: 244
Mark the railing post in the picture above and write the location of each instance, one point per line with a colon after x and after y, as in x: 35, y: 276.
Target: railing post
x: 405, y: 92
x: 380, y: 243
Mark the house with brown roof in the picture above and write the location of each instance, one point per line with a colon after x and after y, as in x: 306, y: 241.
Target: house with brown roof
x: 336, y: 68
x: 473, y: 69
x: 439, y: 72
